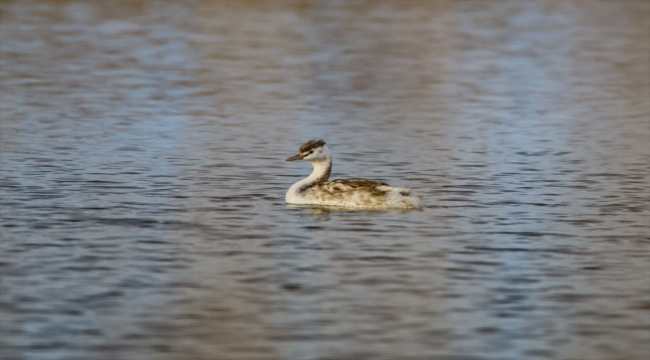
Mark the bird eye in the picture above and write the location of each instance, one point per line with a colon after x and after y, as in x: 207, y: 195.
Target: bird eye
x: 309, y: 153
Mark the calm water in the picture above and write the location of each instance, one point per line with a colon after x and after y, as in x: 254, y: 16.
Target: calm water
x: 142, y: 180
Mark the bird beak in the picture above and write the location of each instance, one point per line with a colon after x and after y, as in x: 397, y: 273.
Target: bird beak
x: 294, y: 158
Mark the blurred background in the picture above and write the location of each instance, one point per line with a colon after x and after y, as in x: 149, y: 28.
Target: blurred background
x: 142, y: 179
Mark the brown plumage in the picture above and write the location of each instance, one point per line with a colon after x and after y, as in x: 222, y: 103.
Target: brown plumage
x: 360, y: 192
x: 343, y: 185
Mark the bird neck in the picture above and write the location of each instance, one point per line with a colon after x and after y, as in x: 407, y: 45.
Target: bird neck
x: 322, y: 171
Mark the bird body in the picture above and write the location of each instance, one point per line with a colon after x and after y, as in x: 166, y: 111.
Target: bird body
x: 316, y: 189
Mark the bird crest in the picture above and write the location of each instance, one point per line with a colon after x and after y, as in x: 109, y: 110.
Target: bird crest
x: 311, y: 145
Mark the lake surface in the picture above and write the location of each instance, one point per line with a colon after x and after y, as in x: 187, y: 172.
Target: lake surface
x: 142, y: 175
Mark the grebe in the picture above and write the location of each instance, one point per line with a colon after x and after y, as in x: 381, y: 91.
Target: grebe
x: 359, y: 193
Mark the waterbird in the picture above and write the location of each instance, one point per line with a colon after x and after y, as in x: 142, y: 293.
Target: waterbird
x: 355, y: 192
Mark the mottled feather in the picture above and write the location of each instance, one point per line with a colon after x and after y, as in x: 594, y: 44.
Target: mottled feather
x: 354, y: 192
x: 343, y: 185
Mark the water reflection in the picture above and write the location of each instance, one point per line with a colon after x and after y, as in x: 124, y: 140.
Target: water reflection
x: 322, y: 213
x: 142, y: 206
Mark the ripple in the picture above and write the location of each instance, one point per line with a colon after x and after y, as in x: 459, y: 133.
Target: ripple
x: 142, y: 183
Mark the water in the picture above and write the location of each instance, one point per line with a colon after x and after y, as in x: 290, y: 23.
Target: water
x: 142, y: 173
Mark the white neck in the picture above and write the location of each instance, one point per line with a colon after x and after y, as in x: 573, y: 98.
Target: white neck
x: 322, y: 170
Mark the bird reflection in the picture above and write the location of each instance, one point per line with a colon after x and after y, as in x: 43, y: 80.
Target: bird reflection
x: 323, y: 213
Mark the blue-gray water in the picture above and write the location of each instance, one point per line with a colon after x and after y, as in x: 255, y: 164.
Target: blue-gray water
x: 142, y: 180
